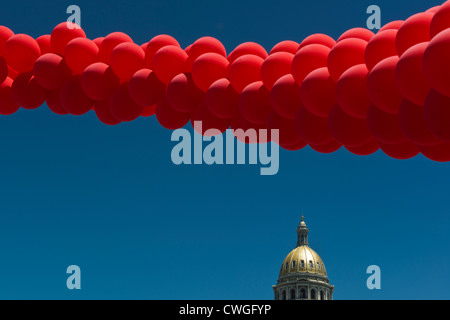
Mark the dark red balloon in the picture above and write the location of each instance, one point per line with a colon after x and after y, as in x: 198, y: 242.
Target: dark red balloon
x: 170, y: 118
x: 73, y: 98
x: 210, y: 124
x: 312, y: 129
x: 7, y: 104
x: 414, y: 30
x: 104, y: 114
x: 245, y: 70
x: 307, y: 59
x: 412, y: 124
x: 439, y: 152
x: 53, y: 101
x: 145, y: 88
x: 409, y: 75
x: 358, y: 33
x: 365, y: 149
x: 436, y: 111
x: 99, y: 81
x: 122, y: 107
x: 287, y: 134
x: 44, y: 43
x: 380, y: 47
x: 254, y: 103
x: 26, y: 92
x: 222, y: 100
x: 250, y: 133
x: 318, y: 92
x: 440, y: 20
x: 384, y: 126
x: 3, y: 69
x: 275, y: 66
x: 51, y: 71
x: 5, y: 34
x: 347, y: 130
x: 327, y: 147
x: 382, y: 88
x: 182, y: 93
x: 345, y: 54
x: 436, y: 64
x: 351, y: 91
x: 285, y: 97
x: 402, y: 151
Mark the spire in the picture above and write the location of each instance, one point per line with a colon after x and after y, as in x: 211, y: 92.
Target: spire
x: 302, y: 233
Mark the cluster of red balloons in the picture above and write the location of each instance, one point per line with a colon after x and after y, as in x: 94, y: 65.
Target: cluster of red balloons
x: 365, y: 91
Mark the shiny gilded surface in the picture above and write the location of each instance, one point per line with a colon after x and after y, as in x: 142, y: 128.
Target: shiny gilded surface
x: 293, y: 262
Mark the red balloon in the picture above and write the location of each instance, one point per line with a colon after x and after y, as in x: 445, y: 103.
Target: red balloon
x: 440, y: 152
x: 245, y: 48
x: 412, y: 124
x: 312, y: 129
x: 393, y: 25
x: 351, y: 92
x: 99, y: 81
x: 210, y: 124
x: 170, y: 118
x: 12, y: 73
x: 103, y: 112
x: 358, y: 33
x: 414, y: 30
x: 126, y: 59
x: 168, y: 62
x: 401, y: 151
x: 157, y: 43
x: 208, y: 68
x: 254, y: 103
x: 7, y: 104
x: 145, y: 88
x: 318, y: 92
x: 294, y: 147
x: 307, y: 59
x: 366, y: 149
x: 53, y: 101
x: 20, y: 52
x: 26, y: 92
x: 440, y: 20
x: 63, y: 33
x: 183, y: 95
x: 318, y: 38
x: 436, y: 64
x: 73, y: 99
x: 433, y: 9
x: 380, y: 47
x: 285, y: 97
x: 285, y: 46
x: 148, y: 111
x: 122, y: 107
x: 205, y: 45
x: 287, y: 134
x: 436, y: 111
x: 98, y: 41
x: 275, y: 66
x: 44, y: 43
x: 327, y: 147
x: 347, y: 130
x: 3, y: 69
x: 384, y: 126
x: 51, y: 71
x: 222, y: 100
x: 248, y: 132
x: 80, y: 53
x: 5, y: 34
x: 409, y: 75
x: 108, y: 44
x: 345, y: 54
x: 382, y: 88
x: 245, y: 70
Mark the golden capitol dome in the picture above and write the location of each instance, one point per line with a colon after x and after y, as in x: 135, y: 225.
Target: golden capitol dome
x: 303, y: 275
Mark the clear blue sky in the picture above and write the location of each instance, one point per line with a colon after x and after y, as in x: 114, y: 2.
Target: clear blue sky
x: 109, y: 199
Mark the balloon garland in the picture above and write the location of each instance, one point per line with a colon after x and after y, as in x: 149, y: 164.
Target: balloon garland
x: 365, y: 91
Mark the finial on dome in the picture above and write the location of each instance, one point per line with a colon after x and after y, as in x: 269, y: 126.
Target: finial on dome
x: 302, y: 232
x: 302, y: 218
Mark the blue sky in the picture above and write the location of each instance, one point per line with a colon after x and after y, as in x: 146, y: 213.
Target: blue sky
x: 109, y: 199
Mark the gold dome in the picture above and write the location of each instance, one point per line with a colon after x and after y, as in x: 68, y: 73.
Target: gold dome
x: 303, y: 259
